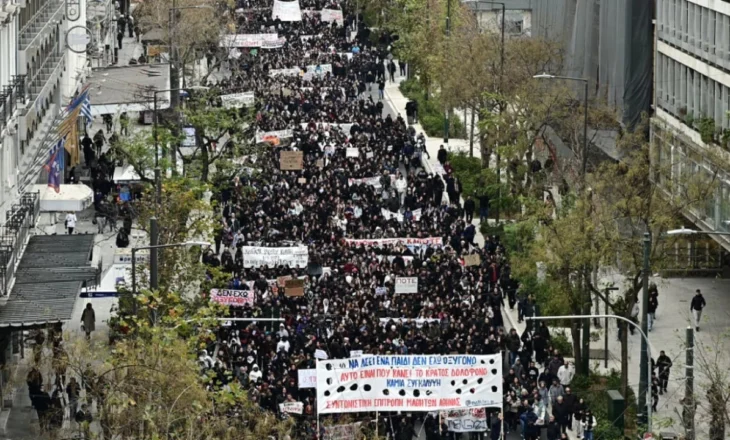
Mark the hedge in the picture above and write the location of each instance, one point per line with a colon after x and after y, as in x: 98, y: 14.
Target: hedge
x: 430, y: 111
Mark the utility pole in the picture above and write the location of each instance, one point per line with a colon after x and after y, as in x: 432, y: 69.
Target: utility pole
x: 446, y: 111
x: 689, y: 401
x: 644, y: 371
x: 174, y: 76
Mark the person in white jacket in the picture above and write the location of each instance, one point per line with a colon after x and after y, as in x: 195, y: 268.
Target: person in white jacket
x: 71, y: 222
x: 566, y: 373
x: 255, y: 374
x: 400, y: 187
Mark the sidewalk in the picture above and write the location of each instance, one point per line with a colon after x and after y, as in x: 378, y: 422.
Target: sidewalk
x: 668, y: 334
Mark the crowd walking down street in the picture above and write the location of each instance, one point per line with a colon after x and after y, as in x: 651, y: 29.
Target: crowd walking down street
x: 347, y: 193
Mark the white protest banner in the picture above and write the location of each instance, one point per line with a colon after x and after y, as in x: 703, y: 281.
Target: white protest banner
x: 237, y: 100
x: 330, y: 15
x: 273, y: 137
x: 390, y: 214
x: 291, y: 407
x: 247, y: 40
x: 416, y: 214
x: 286, y: 11
x: 355, y: 353
x: 406, y: 285
x: 342, y: 432
x: 273, y: 44
x: 409, y: 383
x: 379, y: 242
x: 372, y: 181
x: 369, y: 155
x: 285, y: 72
x: 319, y: 69
x: 419, y: 321
x: 307, y: 378
x: 466, y: 420
x: 229, y: 297
x: 255, y: 256
x: 352, y: 152
x: 320, y: 354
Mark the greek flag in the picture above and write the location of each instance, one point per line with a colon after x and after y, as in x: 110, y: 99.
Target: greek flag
x: 86, y: 109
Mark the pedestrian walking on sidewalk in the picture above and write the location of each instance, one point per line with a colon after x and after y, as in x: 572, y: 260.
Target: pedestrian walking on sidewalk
x: 664, y: 364
x: 88, y: 320
x: 653, y: 304
x: 698, y: 303
x: 70, y: 222
x: 391, y: 70
x: 381, y: 89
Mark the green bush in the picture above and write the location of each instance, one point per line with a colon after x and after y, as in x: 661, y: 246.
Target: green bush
x: 431, y: 112
x: 561, y: 343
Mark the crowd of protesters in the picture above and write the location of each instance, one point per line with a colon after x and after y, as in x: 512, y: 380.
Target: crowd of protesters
x: 383, y: 191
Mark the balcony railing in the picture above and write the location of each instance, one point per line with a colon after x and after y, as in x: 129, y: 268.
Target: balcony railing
x: 19, y: 223
x: 10, y: 96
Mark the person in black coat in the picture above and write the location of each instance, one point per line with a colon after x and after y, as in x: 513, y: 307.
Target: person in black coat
x: 553, y: 429
x: 561, y: 412
x: 469, y: 207
x: 442, y: 155
x: 495, y: 429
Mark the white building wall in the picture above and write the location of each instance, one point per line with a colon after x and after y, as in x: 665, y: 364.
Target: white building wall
x: 76, y: 69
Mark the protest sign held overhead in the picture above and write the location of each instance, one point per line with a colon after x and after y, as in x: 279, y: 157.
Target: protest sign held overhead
x: 406, y: 285
x: 291, y: 160
x: 307, y: 378
x: 409, y: 383
x: 229, y: 297
x: 291, y: 407
x: 466, y: 420
x: 342, y: 432
x: 294, y: 288
x: 255, y: 256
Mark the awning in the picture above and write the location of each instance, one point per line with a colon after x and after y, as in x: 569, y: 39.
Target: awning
x: 127, y: 174
x: 49, y: 278
x: 70, y: 198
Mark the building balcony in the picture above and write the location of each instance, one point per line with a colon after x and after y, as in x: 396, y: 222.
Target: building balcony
x: 9, y: 98
x: 41, y: 23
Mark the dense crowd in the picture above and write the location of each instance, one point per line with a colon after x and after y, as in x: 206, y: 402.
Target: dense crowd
x: 382, y: 191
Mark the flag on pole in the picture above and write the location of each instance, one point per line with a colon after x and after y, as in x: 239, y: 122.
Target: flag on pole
x: 86, y: 109
x: 55, y: 165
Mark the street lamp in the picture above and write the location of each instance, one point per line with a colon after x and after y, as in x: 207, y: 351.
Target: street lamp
x: 153, y: 263
x: 501, y: 83
x: 646, y: 363
x: 687, y: 231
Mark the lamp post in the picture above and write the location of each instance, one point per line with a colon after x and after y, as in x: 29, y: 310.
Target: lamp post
x: 644, y: 338
x: 501, y: 82
x: 448, y: 34
x: 153, y: 268
x: 154, y: 231
x: 174, y: 64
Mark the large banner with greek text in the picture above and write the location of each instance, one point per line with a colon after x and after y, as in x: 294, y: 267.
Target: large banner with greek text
x: 379, y: 242
x: 408, y: 383
x: 286, y: 11
x: 250, y: 40
x: 255, y: 256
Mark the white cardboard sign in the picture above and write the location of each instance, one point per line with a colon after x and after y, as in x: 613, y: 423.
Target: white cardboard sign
x: 406, y: 285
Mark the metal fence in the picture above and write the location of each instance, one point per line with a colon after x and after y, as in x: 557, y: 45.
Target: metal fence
x: 19, y: 222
